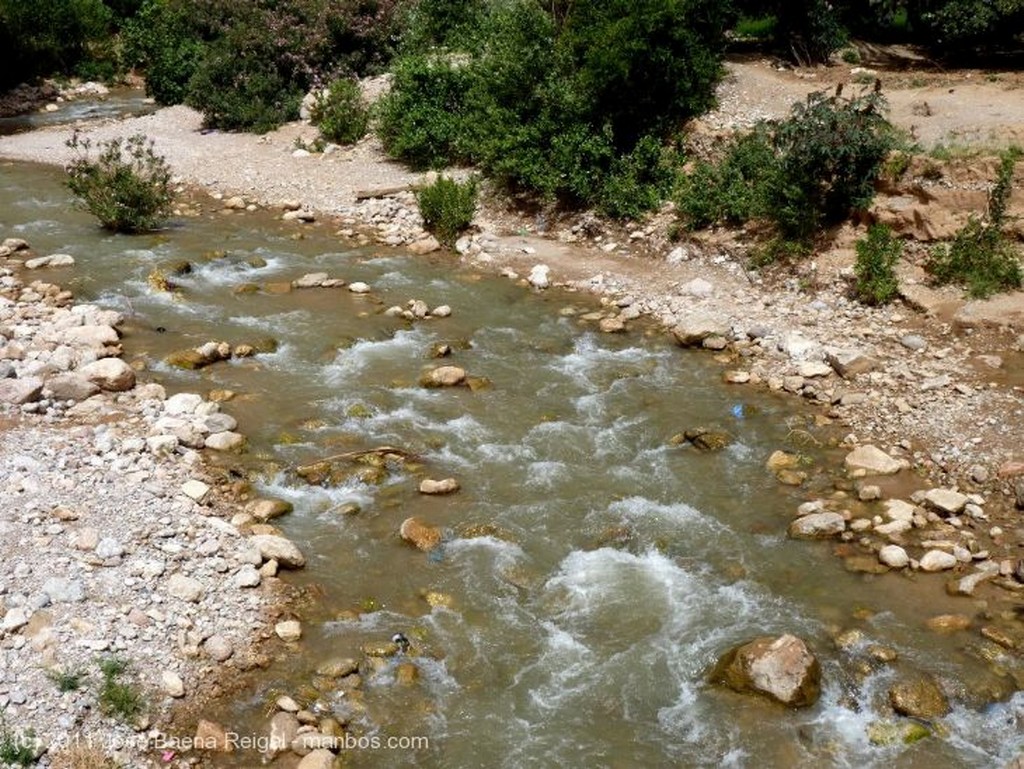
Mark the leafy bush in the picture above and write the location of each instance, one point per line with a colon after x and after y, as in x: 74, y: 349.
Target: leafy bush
x: 238, y: 88
x: 807, y: 171
x: 980, y: 257
x: 445, y: 24
x: 340, y: 114
x: 166, y: 39
x: 421, y: 119
x: 875, y: 268
x: 638, y: 181
x: 447, y: 207
x: 127, y: 187
x: 735, y: 190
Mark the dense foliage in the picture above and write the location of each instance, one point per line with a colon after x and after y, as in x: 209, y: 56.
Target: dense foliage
x: 802, y: 173
x: 568, y: 100
x: 981, y: 258
x: 127, y: 186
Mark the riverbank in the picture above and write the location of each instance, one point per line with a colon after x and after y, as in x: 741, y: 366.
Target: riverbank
x: 130, y: 593
x: 911, y: 381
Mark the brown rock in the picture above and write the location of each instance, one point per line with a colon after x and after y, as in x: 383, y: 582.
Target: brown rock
x: 781, y: 668
x: 110, y: 374
x: 918, y: 697
x: 948, y: 623
x: 213, y: 737
x: 267, y: 509
x: 444, y: 376
x: 421, y: 534
x: 445, y: 486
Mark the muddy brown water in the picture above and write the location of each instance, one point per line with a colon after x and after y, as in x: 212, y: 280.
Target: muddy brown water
x: 594, y: 572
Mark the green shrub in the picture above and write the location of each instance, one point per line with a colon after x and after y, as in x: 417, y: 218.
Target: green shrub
x: 638, y: 181
x: 735, y: 190
x: 809, y: 31
x: 755, y: 28
x: 422, y: 118
x: 237, y: 87
x: 441, y: 24
x: 447, y: 207
x: 980, y: 258
x: 17, y: 749
x: 563, y: 100
x: 875, y: 268
x: 67, y: 680
x: 340, y: 114
x: 116, y: 697
x: 802, y: 173
x: 127, y: 187
x: 165, y: 38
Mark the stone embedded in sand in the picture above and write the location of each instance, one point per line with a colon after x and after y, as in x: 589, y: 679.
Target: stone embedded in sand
x: 946, y: 500
x: 213, y: 737
x: 421, y: 534
x: 444, y: 376
x: 444, y: 486
x: 781, y: 668
x: 19, y: 391
x: 872, y: 460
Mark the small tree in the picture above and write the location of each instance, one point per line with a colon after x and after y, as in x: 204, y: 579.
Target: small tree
x: 127, y: 187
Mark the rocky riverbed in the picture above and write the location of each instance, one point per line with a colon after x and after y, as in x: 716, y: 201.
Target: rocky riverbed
x: 130, y: 588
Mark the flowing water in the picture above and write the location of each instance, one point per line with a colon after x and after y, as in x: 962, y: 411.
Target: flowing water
x: 120, y: 102
x: 594, y: 571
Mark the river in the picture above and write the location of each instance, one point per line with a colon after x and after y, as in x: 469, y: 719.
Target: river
x: 592, y: 572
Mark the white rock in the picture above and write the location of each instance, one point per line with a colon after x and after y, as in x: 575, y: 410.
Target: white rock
x: 698, y: 287
x: 182, y: 404
x: 289, y: 630
x: 538, y: 277
x: 195, y: 490
x: 945, y: 500
x: 894, y: 556
x: 898, y: 510
x: 279, y: 549
x: 172, y: 684
x: 224, y: 441
x: 872, y: 460
x: 359, y: 287
x: 937, y: 560
x: 185, y: 588
x: 110, y: 374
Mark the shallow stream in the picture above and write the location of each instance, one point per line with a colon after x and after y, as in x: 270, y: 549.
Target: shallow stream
x: 594, y: 571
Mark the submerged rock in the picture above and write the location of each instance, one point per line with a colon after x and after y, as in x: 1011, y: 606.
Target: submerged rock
x: 707, y: 440
x: 918, y: 697
x: 781, y: 668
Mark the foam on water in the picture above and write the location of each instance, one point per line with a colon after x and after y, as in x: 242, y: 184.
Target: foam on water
x: 364, y: 353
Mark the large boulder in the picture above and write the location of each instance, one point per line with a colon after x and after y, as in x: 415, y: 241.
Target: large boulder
x: 781, y: 668
x: 110, y: 374
x: 71, y: 387
x: 96, y: 337
x: 873, y: 461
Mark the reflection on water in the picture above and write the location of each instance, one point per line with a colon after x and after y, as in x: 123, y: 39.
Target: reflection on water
x: 590, y: 573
